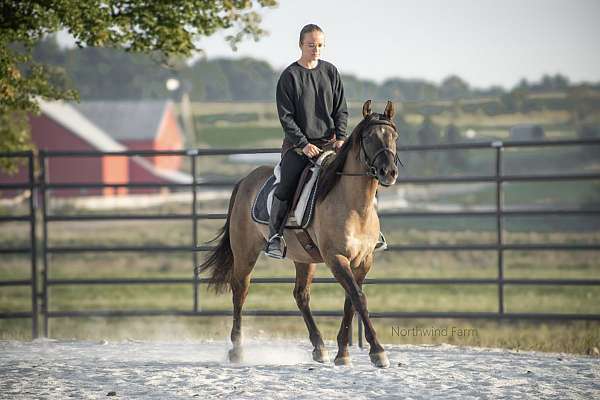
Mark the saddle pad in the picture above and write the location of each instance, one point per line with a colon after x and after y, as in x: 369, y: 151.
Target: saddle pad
x: 261, y: 206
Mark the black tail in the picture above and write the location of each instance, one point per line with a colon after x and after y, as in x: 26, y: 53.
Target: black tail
x: 220, y: 260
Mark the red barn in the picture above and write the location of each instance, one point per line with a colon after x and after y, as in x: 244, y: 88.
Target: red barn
x: 139, y: 125
x: 62, y: 127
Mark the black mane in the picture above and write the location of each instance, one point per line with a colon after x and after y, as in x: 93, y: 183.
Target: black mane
x: 329, y: 176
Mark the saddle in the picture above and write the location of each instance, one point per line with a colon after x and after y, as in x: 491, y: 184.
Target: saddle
x: 303, y: 204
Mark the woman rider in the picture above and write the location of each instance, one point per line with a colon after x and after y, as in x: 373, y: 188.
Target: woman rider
x: 313, y: 113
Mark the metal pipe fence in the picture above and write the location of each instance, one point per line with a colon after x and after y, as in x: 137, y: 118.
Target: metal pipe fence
x: 41, y: 187
x: 31, y: 249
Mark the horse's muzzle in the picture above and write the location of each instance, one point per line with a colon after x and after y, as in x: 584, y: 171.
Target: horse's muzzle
x: 387, y: 175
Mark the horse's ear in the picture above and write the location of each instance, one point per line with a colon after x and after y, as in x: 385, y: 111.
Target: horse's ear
x: 389, y: 110
x: 367, y: 108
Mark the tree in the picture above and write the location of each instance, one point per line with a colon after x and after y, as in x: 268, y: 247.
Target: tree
x: 428, y: 135
x: 455, y: 157
x: 168, y: 27
x: 514, y: 101
x: 453, y: 88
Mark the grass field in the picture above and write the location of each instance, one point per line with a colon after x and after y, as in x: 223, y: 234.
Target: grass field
x: 239, y: 136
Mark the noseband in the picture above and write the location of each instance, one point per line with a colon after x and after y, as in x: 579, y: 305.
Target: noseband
x: 375, y: 119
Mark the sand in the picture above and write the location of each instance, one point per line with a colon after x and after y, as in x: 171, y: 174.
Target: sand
x: 50, y: 369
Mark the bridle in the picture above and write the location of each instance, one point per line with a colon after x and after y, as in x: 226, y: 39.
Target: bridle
x: 375, y: 119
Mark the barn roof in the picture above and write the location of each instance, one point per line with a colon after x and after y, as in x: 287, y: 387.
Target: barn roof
x: 70, y: 118
x: 126, y: 120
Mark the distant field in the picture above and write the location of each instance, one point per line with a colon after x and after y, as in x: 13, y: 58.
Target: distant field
x: 235, y: 124
x: 238, y: 136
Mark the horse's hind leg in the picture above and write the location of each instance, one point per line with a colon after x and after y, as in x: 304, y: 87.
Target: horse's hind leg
x: 239, y: 289
x: 304, y: 277
x: 240, y: 283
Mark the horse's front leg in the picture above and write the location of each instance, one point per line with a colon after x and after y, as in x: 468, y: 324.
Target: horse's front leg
x: 343, y: 337
x: 340, y: 267
x: 304, y: 277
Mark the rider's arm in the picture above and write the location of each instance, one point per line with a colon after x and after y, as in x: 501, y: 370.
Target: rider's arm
x: 340, y: 109
x: 286, y: 110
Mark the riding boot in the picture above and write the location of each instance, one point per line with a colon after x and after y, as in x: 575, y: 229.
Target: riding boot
x: 276, y: 245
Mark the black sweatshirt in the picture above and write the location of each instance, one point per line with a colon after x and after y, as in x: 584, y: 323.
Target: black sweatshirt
x: 311, y: 103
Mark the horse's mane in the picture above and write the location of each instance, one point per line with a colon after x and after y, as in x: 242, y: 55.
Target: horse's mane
x: 329, y: 176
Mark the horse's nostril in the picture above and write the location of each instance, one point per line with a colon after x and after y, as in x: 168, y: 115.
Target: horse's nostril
x: 394, y: 173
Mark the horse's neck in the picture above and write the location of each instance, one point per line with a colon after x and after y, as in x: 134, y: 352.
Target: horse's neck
x: 359, y: 191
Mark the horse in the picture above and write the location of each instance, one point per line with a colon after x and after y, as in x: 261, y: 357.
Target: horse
x: 345, y: 229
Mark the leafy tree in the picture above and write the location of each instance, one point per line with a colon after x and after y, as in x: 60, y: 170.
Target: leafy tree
x: 168, y: 27
x: 428, y: 135
x: 455, y: 158
x: 514, y: 101
x: 452, y: 134
x: 580, y: 100
x: 453, y: 87
x: 359, y: 89
x: 407, y: 90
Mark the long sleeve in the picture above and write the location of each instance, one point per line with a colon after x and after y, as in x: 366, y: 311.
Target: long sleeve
x: 340, y: 109
x: 286, y: 110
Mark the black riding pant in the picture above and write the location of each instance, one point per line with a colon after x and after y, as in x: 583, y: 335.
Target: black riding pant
x: 292, y: 165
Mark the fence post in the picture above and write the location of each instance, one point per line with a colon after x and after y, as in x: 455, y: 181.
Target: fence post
x: 499, y: 225
x: 44, y: 200
x: 193, y: 154
x: 33, y: 243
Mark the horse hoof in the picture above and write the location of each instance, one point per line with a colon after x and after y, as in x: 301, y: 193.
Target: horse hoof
x: 343, y: 361
x: 320, y: 355
x: 380, y: 360
x: 236, y: 355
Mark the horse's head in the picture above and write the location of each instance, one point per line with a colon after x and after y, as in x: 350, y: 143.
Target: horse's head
x: 378, y: 144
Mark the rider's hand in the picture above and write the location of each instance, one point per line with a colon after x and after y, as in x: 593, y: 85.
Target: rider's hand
x: 337, y: 145
x: 311, y: 150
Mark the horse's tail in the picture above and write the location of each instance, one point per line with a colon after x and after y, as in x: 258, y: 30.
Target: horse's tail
x: 220, y: 261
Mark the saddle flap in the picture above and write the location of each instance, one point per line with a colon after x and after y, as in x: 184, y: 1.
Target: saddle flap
x: 304, y: 197
x: 304, y: 178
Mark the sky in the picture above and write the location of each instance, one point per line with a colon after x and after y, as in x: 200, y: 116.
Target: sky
x: 485, y: 42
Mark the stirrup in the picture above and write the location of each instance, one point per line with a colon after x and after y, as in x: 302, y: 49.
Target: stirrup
x: 273, y: 253
x: 381, y: 244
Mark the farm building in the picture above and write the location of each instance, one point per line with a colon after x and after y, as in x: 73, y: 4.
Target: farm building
x: 61, y: 127
x: 139, y: 125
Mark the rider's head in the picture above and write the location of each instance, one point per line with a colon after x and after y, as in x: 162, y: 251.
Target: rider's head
x: 311, y: 42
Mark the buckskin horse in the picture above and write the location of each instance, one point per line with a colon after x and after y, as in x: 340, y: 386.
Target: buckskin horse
x: 345, y: 229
